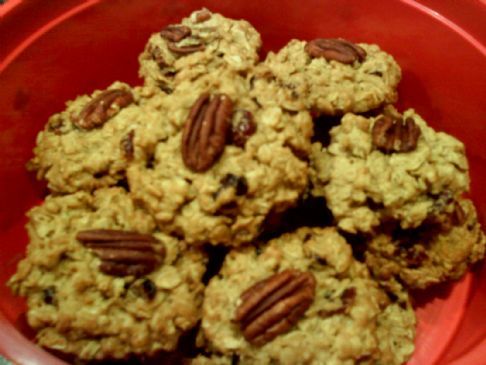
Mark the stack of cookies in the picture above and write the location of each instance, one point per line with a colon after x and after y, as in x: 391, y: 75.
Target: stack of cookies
x: 280, y: 209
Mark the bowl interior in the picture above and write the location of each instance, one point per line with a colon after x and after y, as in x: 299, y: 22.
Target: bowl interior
x: 79, y: 46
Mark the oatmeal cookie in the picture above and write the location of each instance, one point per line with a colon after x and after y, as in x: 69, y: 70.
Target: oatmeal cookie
x: 349, y: 318
x: 388, y: 167
x: 90, y: 144
x: 430, y: 254
x: 213, y: 360
x: 85, y: 293
x: 219, y: 182
x: 298, y: 79
x: 203, y: 43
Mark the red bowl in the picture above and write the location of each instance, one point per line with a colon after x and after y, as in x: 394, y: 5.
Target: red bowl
x: 51, y: 51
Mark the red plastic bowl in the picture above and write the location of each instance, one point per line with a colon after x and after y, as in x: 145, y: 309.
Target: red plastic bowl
x: 51, y: 51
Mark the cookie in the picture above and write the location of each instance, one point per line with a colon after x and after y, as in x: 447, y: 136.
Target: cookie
x: 101, y: 282
x: 303, y: 298
x: 430, y: 254
x: 388, y: 167
x: 91, y: 143
x: 219, y: 183
x: 203, y: 43
x: 213, y: 360
x: 312, y: 76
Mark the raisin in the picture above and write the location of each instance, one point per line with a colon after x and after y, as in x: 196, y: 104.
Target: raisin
x: 149, y: 288
x: 49, y: 295
x: 127, y: 145
x: 348, y: 296
x: 239, y: 183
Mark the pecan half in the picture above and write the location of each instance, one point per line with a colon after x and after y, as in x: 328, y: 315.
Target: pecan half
x: 175, y: 33
x: 395, y: 135
x: 102, y: 108
x: 194, y: 45
x: 205, y: 133
x: 272, y: 306
x: 203, y: 15
x: 243, y: 128
x: 122, y: 253
x: 335, y: 49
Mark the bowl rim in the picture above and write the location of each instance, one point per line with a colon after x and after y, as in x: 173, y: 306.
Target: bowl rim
x: 14, y: 345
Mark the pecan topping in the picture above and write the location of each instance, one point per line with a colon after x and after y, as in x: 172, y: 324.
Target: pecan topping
x: 274, y: 305
x: 395, y: 135
x: 244, y: 127
x: 335, y: 49
x: 122, y: 252
x: 194, y: 45
x: 205, y: 132
x: 102, y: 108
x: 175, y: 33
x: 203, y: 15
x: 127, y: 145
